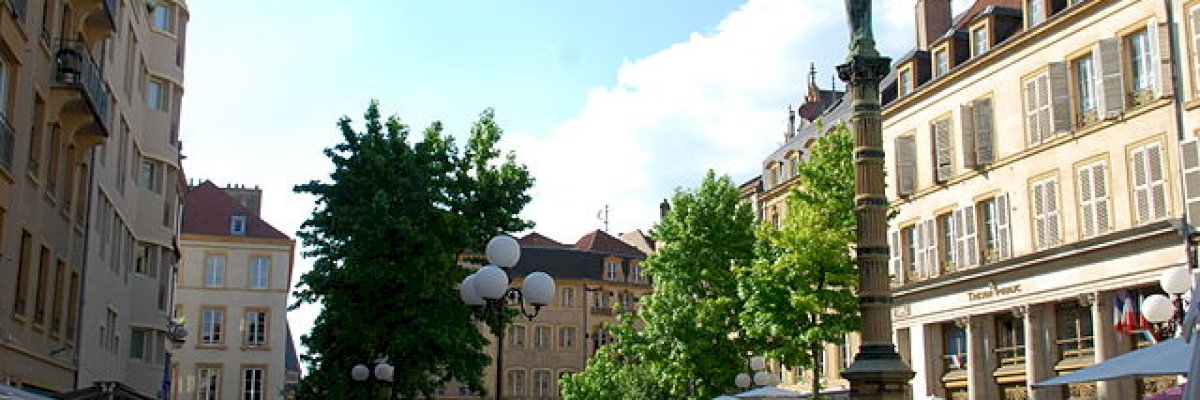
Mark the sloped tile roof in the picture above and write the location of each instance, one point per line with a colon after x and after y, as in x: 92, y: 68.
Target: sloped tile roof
x: 208, y: 209
x: 534, y: 239
x: 600, y: 241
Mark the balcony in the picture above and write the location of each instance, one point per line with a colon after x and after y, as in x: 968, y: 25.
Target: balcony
x: 602, y: 310
x: 100, y: 17
x: 19, y: 7
x: 6, y: 143
x: 77, y: 73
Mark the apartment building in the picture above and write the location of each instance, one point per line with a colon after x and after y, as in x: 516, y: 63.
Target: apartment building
x: 90, y: 98
x: 1034, y: 166
x: 231, y: 295
x: 596, y: 279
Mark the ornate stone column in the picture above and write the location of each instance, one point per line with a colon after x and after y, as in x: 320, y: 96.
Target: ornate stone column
x: 877, y: 371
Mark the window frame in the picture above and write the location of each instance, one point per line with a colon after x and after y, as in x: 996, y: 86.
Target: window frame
x: 1100, y: 225
x: 905, y: 80
x: 253, y: 281
x: 1138, y: 67
x: 157, y: 92
x: 167, y: 22
x: 1085, y: 90
x: 939, y: 59
x: 214, y: 275
x: 216, y: 376
x: 264, y: 314
x: 1037, y: 108
x: 247, y: 391
x: 1048, y: 217
x: 216, y: 328
x: 1162, y: 185
x: 980, y: 27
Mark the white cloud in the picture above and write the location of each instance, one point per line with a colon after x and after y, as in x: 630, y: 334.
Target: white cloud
x: 715, y: 101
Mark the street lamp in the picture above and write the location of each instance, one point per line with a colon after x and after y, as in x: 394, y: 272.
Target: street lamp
x: 761, y: 377
x: 1160, y: 309
x: 384, y: 372
x: 487, y: 290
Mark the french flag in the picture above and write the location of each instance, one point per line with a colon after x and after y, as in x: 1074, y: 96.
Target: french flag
x: 1127, y: 315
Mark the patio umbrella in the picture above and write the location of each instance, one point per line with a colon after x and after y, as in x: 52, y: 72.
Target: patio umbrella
x: 1174, y: 393
x: 1166, y: 358
x: 769, y: 392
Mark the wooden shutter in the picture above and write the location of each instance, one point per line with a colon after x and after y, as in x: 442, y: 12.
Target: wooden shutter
x: 906, y: 165
x: 1162, y: 60
x: 966, y: 119
x: 942, y: 151
x: 1158, y: 180
x: 1045, y: 213
x: 1003, y: 232
x: 1191, y: 175
x: 1141, y: 185
x: 981, y: 117
x: 1051, y: 207
x: 895, y: 260
x: 931, y: 239
x: 955, y: 264
x: 918, y: 232
x: 1100, y: 197
x: 1194, y: 18
x: 1031, y: 112
x: 1060, y: 97
x: 1045, y: 117
x: 970, y: 242
x: 959, y: 252
x: 1111, y: 99
x: 1087, y: 209
x: 1154, y: 69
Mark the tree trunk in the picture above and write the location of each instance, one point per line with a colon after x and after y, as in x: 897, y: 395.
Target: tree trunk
x: 817, y: 371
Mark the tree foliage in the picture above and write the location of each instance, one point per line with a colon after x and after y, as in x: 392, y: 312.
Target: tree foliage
x: 386, y: 233
x: 799, y: 293
x: 684, y: 349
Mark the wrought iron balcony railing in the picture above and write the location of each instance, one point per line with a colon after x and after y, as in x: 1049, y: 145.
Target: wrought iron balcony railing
x: 76, y: 69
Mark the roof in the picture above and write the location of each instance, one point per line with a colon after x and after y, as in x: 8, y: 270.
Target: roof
x: 208, y: 210
x: 640, y: 240
x: 564, y: 263
x: 599, y: 241
x: 534, y: 239
x: 291, y: 362
x: 981, y: 7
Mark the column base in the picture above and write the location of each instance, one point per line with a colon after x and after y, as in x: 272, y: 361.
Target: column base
x: 878, y: 373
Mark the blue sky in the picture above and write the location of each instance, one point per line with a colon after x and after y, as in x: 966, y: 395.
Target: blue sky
x: 608, y: 102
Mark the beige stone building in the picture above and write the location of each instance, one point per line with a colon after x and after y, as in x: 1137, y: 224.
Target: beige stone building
x: 1034, y: 165
x: 597, y: 278
x: 90, y: 98
x: 232, y: 293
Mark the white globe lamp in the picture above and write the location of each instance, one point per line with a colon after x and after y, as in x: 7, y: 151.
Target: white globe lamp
x: 360, y: 372
x: 1176, y: 280
x: 490, y: 282
x: 743, y: 380
x: 467, y: 292
x: 503, y: 251
x: 538, y: 288
x: 1157, y: 308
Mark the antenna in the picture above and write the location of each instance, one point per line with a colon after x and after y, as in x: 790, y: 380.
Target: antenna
x: 603, y: 216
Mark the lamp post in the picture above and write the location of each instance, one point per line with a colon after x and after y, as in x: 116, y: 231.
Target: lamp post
x: 1165, y: 310
x: 487, y: 290
x: 383, y: 372
x: 877, y: 371
x: 761, y: 377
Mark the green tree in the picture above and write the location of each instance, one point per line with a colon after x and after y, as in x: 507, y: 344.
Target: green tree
x: 799, y: 293
x: 684, y: 348
x: 386, y: 234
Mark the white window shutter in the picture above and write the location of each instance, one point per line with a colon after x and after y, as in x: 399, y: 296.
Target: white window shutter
x: 1141, y: 186
x: 1194, y: 18
x: 1158, y: 181
x: 981, y: 123
x: 931, y: 258
x: 918, y: 251
x: 1111, y: 99
x: 1031, y: 112
x: 1190, y: 157
x: 1051, y: 199
x: 1154, y: 69
x: 970, y: 238
x: 1003, y: 232
x: 1087, y: 209
x: 906, y: 165
x: 896, y: 259
x: 953, y: 250
x: 966, y: 119
x: 1060, y: 97
x: 960, y: 253
x: 1100, y: 197
x: 1038, y: 193
x: 943, y: 152
x: 1166, y: 74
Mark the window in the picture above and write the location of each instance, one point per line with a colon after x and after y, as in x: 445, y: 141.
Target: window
x: 516, y: 336
x: 256, y: 328
x: 1139, y: 51
x: 214, y: 270
x: 149, y: 176
x: 993, y: 221
x: 5, y: 77
x: 56, y: 293
x: 635, y: 273
x: 541, y: 337
x: 566, y: 337
x: 1044, y: 195
x: 979, y: 40
x: 1194, y: 18
x: 208, y: 383
x: 1035, y: 13
x: 568, y: 297
x: 1010, y: 340
x: 945, y: 241
x: 212, y: 324
x: 967, y: 237
x: 43, y: 277
x: 516, y: 382
x: 1149, y: 183
x: 1083, y: 74
x: 1093, y: 199
x: 72, y: 306
x: 252, y: 384
x: 612, y: 271
x: 906, y: 165
x: 35, y: 139
x: 237, y: 225
x: 1037, y: 109
x: 941, y: 62
x: 954, y: 356
x: 260, y: 272
x: 908, y: 247
x: 24, y: 263
x: 906, y: 81
x: 110, y: 340
x: 161, y: 17
x: 140, y: 344
x: 156, y: 96
x: 977, y: 140
x: 943, y: 150
x: 1074, y: 331
x: 542, y: 386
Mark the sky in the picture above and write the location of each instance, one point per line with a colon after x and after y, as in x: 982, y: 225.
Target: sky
x: 613, y: 103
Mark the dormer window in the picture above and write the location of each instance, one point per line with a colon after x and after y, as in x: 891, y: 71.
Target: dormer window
x: 612, y: 271
x: 979, y: 40
x: 1035, y: 13
x: 906, y: 81
x: 237, y: 225
x: 941, y: 62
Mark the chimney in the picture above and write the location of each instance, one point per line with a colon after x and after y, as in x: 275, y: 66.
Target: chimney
x: 933, y: 20
x: 663, y: 209
x: 791, y: 128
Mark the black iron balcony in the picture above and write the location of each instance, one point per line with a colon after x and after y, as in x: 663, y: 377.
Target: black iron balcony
x: 76, y: 70
x: 19, y: 7
x: 6, y: 143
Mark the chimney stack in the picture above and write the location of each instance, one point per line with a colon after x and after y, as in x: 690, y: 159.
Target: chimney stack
x: 933, y: 20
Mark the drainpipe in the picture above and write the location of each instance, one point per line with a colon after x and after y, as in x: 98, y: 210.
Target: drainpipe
x: 83, y: 264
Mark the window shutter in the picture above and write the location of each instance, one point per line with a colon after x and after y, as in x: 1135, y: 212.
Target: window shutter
x: 960, y: 254
x: 1051, y: 198
x: 1087, y: 208
x: 931, y: 258
x: 970, y: 242
x: 1141, y: 186
x: 1060, y: 97
x: 1157, y: 180
x: 1191, y: 175
x: 1045, y: 118
x: 906, y: 165
x: 895, y: 259
x: 954, y: 259
x: 918, y: 232
x: 1166, y: 74
x: 982, y: 124
x: 1100, y: 196
x: 943, y: 153
x: 1194, y: 17
x: 1039, y: 215
x: 966, y: 119
x: 1111, y: 98
x: 1003, y: 232
x: 1031, y: 112
x: 1154, y: 69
